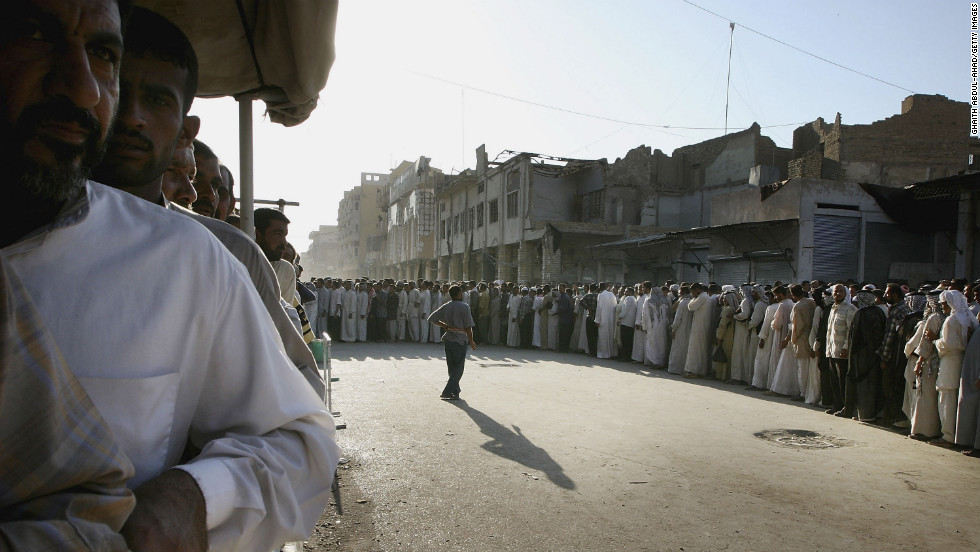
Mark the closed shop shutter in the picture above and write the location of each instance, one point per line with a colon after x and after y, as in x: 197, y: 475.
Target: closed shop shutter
x: 730, y: 271
x: 768, y: 271
x: 835, y: 247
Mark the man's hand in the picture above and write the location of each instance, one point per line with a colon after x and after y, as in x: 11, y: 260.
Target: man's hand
x: 762, y: 343
x: 170, y: 515
x: 843, y: 353
x: 472, y: 344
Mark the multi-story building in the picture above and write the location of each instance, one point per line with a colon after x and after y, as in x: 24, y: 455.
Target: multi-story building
x: 410, y: 232
x: 357, y: 220
x: 529, y: 218
x: 858, y: 204
x: 729, y: 209
x: 323, y: 257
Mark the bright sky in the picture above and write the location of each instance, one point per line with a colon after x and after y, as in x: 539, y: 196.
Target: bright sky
x: 586, y: 79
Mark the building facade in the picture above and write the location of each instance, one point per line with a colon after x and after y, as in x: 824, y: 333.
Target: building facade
x: 731, y: 209
x: 322, y: 258
x: 357, y: 219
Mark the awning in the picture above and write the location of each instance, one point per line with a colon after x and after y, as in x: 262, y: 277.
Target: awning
x: 693, y: 233
x: 277, y: 51
x: 918, y: 208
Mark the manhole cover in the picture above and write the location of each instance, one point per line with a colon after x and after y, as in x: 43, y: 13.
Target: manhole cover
x: 801, y: 438
x: 482, y: 365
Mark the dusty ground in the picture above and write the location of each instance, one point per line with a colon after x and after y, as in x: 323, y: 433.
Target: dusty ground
x: 561, y: 452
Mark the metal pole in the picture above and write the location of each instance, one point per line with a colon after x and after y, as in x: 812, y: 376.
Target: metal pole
x: 731, y: 41
x: 245, y: 159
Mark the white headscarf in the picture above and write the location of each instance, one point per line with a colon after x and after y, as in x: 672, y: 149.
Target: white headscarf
x: 959, y: 309
x: 287, y: 280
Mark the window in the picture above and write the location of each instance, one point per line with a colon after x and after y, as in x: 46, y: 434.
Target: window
x: 513, y: 181
x: 456, y: 224
x: 479, y: 187
x: 479, y: 216
x: 593, y: 205
x: 442, y: 229
x: 462, y: 220
x: 512, y: 204
x: 493, y: 210
x: 472, y: 217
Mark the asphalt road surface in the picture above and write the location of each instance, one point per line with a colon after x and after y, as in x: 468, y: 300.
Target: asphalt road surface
x: 550, y: 451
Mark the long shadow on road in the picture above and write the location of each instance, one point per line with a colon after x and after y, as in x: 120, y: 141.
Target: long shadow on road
x: 514, y: 446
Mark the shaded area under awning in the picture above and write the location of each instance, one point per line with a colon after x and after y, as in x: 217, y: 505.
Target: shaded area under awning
x: 693, y: 233
x: 924, y: 207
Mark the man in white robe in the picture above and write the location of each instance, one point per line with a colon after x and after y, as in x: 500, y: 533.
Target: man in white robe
x: 552, y: 341
x: 759, y: 306
x: 742, y: 344
x: 363, y: 302
x: 323, y: 295
x: 412, y: 312
x: 627, y: 324
x: 680, y: 331
x: 763, y: 356
x: 348, y: 313
x: 495, y: 306
x: 513, y: 324
x: 782, y: 356
x: 605, y: 320
x: 426, y: 299
x: 656, y: 320
x: 698, y: 360
x: 639, y: 330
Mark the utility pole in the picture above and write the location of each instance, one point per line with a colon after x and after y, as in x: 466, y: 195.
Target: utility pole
x: 281, y: 203
x: 731, y: 40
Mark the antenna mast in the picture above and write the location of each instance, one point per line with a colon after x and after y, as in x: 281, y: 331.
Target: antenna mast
x: 731, y: 40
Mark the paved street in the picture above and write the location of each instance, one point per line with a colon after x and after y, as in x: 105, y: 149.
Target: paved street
x: 547, y: 451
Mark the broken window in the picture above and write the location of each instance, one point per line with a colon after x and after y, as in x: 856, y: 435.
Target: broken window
x: 512, y: 204
x: 479, y: 215
x: 593, y: 205
x: 493, y: 210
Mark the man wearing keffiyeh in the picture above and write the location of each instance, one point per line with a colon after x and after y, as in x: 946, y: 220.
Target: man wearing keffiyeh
x: 892, y: 354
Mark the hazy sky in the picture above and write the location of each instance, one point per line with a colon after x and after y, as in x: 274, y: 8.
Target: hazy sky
x: 586, y: 79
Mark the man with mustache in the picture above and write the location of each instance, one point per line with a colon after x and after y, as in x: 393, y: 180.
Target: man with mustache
x: 160, y: 381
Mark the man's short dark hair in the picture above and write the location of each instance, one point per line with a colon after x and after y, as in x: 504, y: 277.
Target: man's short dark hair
x: 780, y: 290
x: 265, y: 215
x: 797, y: 291
x: 456, y: 292
x: 203, y: 151
x: 149, y: 33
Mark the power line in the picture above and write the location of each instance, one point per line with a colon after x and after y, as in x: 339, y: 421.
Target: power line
x: 573, y: 112
x: 823, y: 59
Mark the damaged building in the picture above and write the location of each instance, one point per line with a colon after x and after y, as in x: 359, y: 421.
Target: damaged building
x: 836, y: 215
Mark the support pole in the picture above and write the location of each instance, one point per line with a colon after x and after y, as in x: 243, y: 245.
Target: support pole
x: 245, y: 160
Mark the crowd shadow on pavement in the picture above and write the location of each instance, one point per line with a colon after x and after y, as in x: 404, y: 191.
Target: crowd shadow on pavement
x: 514, y: 446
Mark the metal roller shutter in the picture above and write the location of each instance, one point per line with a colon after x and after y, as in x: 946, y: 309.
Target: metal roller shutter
x: 730, y: 271
x: 835, y: 247
x: 768, y: 271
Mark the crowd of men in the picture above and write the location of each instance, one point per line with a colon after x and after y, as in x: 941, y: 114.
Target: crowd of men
x: 156, y: 394
x: 893, y: 356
